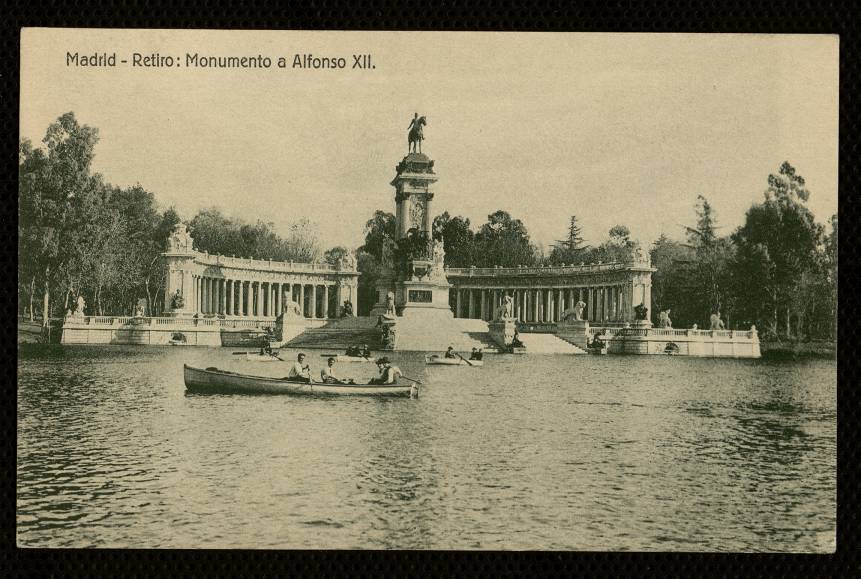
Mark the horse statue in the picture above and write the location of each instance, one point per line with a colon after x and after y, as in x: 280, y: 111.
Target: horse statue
x: 416, y: 134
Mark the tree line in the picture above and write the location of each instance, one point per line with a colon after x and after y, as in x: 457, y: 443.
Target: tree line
x: 81, y: 236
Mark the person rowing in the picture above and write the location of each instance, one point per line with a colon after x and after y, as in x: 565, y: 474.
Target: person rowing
x: 327, y: 374
x: 300, y: 371
x: 388, y: 373
x: 450, y: 353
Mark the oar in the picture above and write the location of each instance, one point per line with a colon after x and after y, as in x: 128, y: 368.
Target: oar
x: 411, y: 379
x: 241, y: 353
x: 464, y: 359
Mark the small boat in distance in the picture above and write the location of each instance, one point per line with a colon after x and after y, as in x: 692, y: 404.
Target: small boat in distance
x: 253, y: 357
x: 348, y: 359
x: 437, y: 360
x: 215, y: 381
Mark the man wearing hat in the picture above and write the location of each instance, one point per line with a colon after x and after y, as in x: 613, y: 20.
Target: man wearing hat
x: 388, y: 373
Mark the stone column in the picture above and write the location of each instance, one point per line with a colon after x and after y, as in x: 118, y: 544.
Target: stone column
x: 302, y: 300
x: 325, y: 301
x: 560, y: 305
x: 314, y: 300
x: 536, y: 306
x: 483, y: 314
x: 259, y: 299
x: 458, y: 303
x: 228, y: 303
x: 240, y: 305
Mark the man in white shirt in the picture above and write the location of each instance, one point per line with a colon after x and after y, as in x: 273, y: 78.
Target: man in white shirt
x: 300, y: 371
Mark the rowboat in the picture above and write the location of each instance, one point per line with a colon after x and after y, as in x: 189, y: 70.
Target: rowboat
x: 437, y: 360
x: 215, y: 381
x: 261, y: 357
x: 348, y: 359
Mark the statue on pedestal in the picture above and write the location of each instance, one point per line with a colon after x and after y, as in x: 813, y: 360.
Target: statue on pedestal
x: 177, y: 301
x: 505, y: 311
x: 390, y: 305
x: 575, y: 313
x: 139, y: 311
x: 347, y: 309
x: 715, y: 322
x: 347, y: 262
x: 79, y: 308
x: 415, y: 134
x: 180, y: 240
x: 664, y: 320
x: 641, y: 312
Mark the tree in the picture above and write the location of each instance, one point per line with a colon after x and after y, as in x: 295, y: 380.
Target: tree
x: 570, y: 249
x: 503, y: 241
x: 776, y: 246
x: 457, y: 237
x: 672, y: 283
x: 333, y: 256
x: 377, y: 229
x: 51, y: 182
x: 712, y: 258
x: 619, y: 247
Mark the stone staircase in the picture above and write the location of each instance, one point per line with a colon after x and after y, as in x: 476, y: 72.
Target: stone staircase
x: 336, y: 339
x: 548, y: 344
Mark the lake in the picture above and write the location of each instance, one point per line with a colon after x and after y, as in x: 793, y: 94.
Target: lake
x: 529, y: 452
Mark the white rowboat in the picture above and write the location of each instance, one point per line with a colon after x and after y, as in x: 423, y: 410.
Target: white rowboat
x: 436, y: 360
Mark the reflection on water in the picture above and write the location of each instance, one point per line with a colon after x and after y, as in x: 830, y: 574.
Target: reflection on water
x: 528, y: 452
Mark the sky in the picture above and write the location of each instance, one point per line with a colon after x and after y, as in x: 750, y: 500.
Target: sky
x: 613, y: 128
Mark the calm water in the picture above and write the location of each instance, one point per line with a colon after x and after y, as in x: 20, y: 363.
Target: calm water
x: 529, y: 452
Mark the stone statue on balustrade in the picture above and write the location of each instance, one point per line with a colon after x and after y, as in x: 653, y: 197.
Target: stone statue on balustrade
x: 505, y: 311
x: 291, y: 310
x: 347, y: 262
x: 177, y: 301
x: 641, y: 312
x: 180, y: 240
x: 140, y: 311
x: 715, y: 322
x: 574, y: 313
x: 390, y: 306
x: 664, y: 320
x: 79, y: 308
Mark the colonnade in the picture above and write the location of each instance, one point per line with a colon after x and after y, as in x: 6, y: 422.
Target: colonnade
x: 604, y: 303
x: 244, y: 298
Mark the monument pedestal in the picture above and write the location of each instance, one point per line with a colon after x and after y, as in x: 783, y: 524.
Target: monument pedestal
x: 574, y: 331
x: 502, y: 331
x: 423, y: 300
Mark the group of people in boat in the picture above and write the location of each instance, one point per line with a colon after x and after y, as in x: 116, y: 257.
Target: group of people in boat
x: 476, y: 354
x: 359, y: 351
x: 300, y: 371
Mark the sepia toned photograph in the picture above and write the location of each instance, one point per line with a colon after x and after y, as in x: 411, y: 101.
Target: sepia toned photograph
x: 427, y: 291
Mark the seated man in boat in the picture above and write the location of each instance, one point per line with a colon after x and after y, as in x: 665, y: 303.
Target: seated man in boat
x: 300, y: 371
x: 478, y: 355
x: 388, y: 373
x: 353, y: 351
x: 327, y: 374
x: 365, y: 352
x: 450, y: 353
x: 475, y: 355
